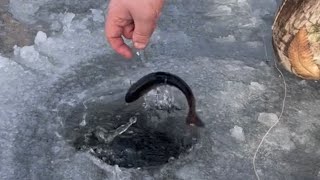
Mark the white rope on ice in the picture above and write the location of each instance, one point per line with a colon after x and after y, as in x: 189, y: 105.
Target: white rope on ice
x: 279, y: 117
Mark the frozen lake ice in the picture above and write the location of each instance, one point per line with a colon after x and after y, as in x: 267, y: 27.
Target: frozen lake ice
x: 54, y: 57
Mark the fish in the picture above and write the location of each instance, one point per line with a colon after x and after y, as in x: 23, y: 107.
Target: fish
x: 155, y: 79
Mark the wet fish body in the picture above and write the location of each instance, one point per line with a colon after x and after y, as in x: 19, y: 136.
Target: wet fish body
x: 152, y: 80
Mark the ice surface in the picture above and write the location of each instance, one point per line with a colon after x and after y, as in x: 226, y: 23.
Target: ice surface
x: 217, y: 47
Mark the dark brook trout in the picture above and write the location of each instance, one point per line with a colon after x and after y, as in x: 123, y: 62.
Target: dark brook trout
x: 152, y: 80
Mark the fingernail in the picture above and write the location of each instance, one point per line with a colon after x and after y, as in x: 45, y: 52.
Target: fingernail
x: 139, y: 45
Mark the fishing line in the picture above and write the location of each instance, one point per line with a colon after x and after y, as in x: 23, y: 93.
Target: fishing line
x: 283, y: 100
x: 279, y: 117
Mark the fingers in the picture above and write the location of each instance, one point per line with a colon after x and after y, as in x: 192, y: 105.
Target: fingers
x: 133, y: 21
x: 128, y: 31
x: 114, y: 30
x: 142, y: 32
x: 145, y: 24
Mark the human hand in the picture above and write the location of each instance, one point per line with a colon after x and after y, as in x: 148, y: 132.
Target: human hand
x: 133, y: 19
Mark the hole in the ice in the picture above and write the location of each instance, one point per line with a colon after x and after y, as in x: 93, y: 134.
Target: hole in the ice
x: 129, y: 135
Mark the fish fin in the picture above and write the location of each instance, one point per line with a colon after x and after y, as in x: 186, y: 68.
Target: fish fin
x: 194, y: 121
x: 301, y: 56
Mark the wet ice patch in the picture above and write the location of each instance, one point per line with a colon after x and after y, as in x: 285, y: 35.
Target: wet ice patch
x: 237, y: 95
x: 303, y: 139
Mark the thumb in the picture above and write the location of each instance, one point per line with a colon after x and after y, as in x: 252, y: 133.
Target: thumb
x: 142, y: 32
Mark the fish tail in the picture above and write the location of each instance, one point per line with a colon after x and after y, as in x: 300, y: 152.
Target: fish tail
x: 194, y: 120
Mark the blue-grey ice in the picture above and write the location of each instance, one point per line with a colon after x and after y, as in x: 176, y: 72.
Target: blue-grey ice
x: 221, y: 48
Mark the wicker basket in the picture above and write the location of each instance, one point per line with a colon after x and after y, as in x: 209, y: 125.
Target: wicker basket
x: 296, y: 37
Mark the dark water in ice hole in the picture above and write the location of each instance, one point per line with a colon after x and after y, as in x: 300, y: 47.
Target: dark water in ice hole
x: 155, y: 138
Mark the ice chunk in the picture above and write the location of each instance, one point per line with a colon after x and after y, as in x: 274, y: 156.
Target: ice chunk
x: 25, y: 10
x: 26, y: 52
x: 29, y: 57
x: 268, y: 119
x: 66, y: 21
x: 97, y: 15
x: 237, y: 133
x: 40, y: 37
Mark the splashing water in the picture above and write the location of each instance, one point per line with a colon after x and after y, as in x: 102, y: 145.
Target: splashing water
x: 84, y: 116
x: 160, y: 98
x: 108, y: 137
